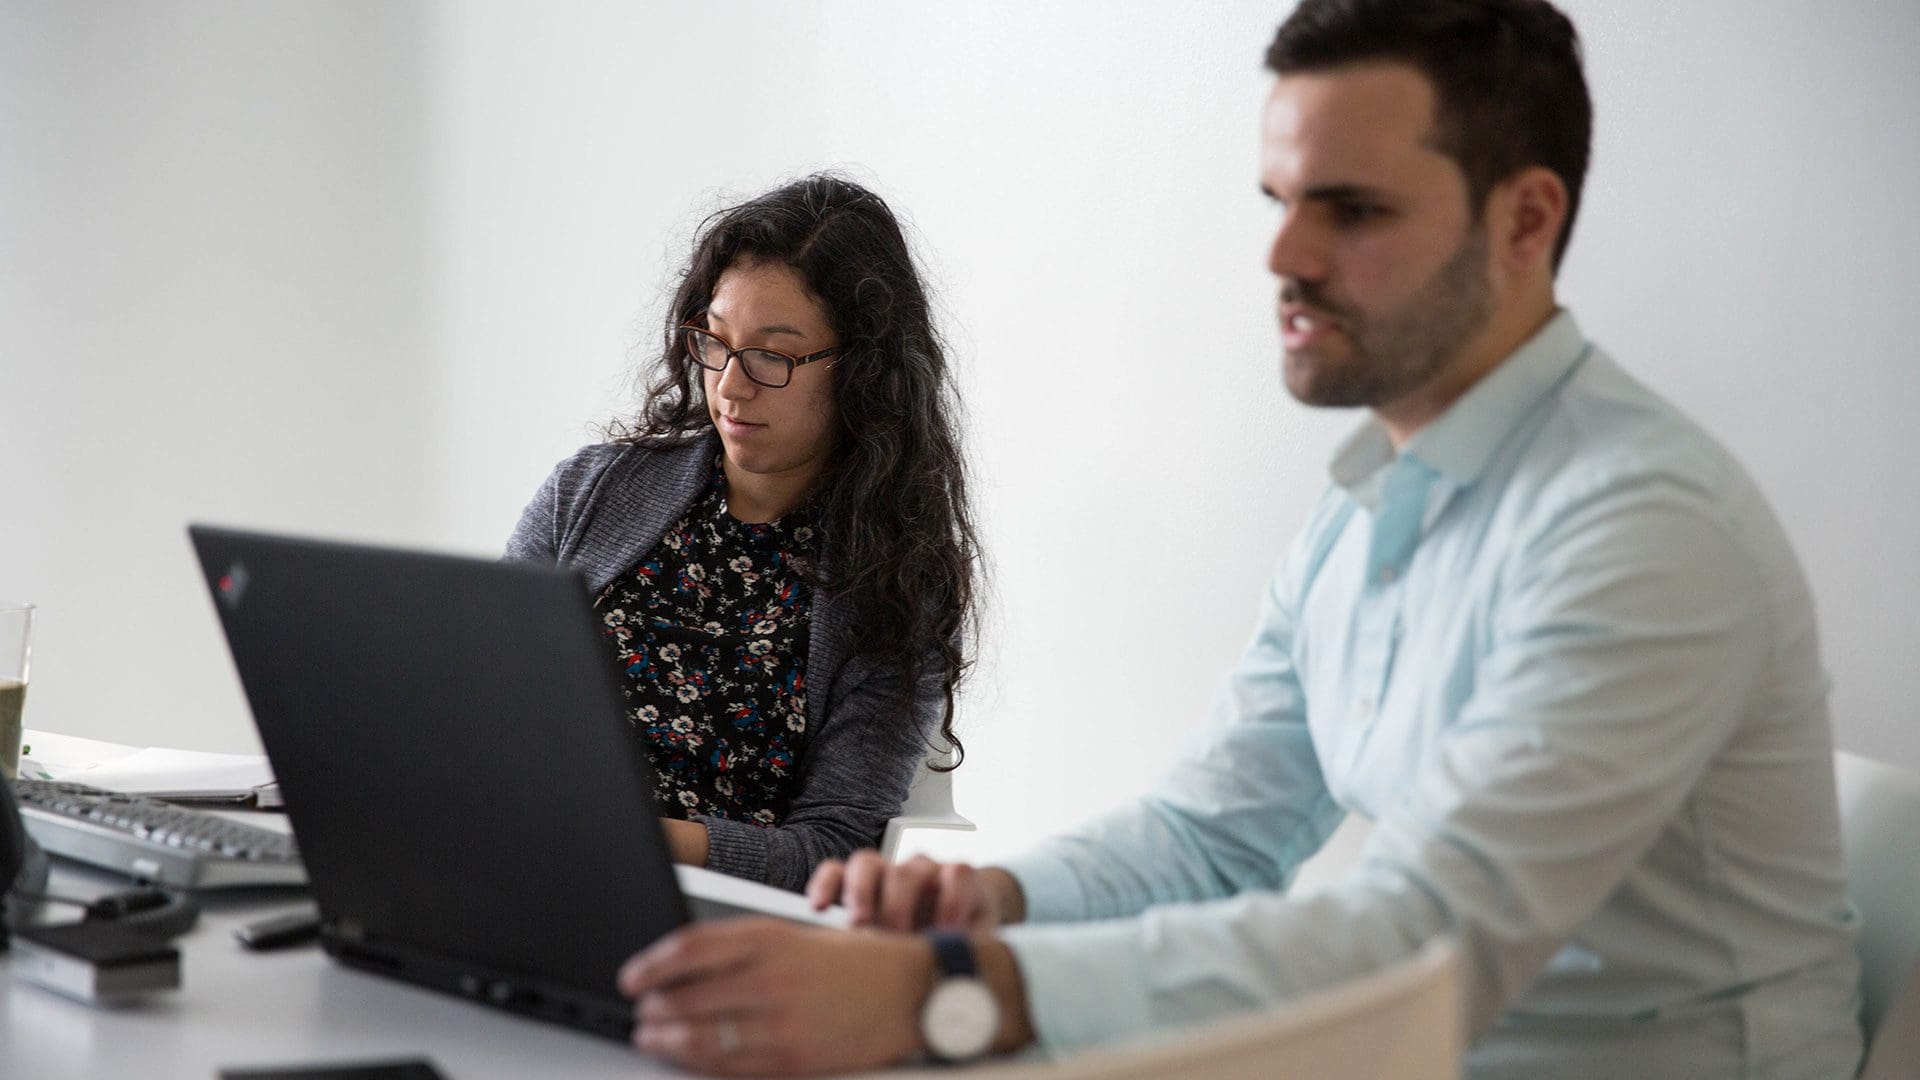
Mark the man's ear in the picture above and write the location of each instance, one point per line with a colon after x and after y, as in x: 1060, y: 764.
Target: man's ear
x: 1526, y: 213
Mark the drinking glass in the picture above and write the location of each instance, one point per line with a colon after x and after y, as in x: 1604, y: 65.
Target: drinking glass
x: 16, y: 653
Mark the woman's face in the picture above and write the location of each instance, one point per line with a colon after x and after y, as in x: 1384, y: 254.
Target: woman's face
x: 784, y: 432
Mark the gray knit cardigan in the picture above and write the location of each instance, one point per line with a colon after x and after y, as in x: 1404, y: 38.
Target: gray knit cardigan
x: 607, y: 506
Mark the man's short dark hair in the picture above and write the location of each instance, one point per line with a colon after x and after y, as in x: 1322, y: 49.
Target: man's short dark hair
x: 1506, y: 75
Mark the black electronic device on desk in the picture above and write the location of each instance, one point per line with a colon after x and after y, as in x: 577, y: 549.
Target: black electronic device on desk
x: 115, y: 951
x: 472, y: 807
x: 153, y: 841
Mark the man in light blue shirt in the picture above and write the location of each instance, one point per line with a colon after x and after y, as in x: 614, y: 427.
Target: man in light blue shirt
x: 1542, y: 631
x: 1580, y: 701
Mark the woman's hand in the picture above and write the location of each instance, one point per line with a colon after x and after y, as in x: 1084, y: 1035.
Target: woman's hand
x: 917, y: 894
x: 686, y: 841
x: 760, y: 996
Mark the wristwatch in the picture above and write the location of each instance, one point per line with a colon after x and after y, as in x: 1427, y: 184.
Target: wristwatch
x: 961, y: 1016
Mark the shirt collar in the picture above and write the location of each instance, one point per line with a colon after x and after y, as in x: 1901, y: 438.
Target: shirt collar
x: 1462, y: 440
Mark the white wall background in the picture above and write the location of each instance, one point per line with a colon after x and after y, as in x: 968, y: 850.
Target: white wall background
x: 369, y: 269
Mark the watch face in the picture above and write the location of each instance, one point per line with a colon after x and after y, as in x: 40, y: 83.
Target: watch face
x: 960, y: 1019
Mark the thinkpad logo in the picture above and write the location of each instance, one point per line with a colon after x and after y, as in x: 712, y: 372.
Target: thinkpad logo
x: 232, y: 586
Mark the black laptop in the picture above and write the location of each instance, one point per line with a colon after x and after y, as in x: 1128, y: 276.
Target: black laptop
x: 473, y: 809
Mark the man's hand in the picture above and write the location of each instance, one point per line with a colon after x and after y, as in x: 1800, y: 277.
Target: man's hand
x: 766, y: 997
x: 918, y: 893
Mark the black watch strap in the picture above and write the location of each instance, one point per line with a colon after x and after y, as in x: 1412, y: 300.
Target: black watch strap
x: 953, y: 951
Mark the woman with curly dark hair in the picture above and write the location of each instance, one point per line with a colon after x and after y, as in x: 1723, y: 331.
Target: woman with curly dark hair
x: 780, y: 544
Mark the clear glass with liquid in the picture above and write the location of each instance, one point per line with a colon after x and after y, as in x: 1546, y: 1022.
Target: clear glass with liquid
x: 16, y: 654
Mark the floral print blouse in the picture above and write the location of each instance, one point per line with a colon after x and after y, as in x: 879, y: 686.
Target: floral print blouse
x: 710, y: 629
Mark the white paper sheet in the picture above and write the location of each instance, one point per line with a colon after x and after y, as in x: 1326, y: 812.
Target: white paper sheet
x: 152, y: 770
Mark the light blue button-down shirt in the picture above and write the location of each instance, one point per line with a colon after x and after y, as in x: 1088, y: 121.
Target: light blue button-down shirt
x: 1559, y: 652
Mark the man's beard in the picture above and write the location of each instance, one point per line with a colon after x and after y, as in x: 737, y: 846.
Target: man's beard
x: 1394, y: 355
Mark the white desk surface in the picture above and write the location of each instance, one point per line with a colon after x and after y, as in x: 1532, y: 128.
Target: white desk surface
x: 289, y: 1007
x: 296, y: 1007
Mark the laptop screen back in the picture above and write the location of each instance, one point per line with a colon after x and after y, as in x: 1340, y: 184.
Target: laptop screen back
x: 449, y: 737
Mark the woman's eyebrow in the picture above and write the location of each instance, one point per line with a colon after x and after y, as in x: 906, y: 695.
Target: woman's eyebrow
x: 775, y: 328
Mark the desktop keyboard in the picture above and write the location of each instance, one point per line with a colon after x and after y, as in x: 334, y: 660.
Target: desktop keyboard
x: 153, y: 841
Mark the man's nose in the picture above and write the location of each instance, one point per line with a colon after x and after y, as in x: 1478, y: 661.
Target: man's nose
x: 1296, y: 252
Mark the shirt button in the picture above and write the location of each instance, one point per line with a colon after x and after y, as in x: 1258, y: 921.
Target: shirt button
x: 1385, y: 575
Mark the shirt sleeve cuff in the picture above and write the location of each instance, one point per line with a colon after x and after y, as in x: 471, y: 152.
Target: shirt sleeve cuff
x: 1049, y: 886
x: 735, y: 849
x: 1084, y: 982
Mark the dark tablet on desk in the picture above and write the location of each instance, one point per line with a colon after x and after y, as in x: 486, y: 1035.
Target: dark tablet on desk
x: 408, y: 1069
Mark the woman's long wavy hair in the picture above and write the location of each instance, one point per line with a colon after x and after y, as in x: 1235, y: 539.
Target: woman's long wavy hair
x: 898, y: 543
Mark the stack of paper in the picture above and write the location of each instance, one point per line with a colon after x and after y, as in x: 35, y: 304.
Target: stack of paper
x: 154, y: 771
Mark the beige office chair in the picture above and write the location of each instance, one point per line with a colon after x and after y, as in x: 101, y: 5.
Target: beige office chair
x: 929, y: 805
x: 1880, y: 822
x: 1405, y: 1023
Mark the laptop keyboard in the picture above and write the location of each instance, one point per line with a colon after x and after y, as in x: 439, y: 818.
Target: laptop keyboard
x: 154, y: 841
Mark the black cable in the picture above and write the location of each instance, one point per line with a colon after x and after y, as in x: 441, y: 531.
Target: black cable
x: 49, y: 898
x: 168, y: 913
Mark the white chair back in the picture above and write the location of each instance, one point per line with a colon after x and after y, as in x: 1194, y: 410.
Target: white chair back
x: 929, y: 805
x: 1405, y: 1023
x: 1895, y: 1053
x: 1880, y: 821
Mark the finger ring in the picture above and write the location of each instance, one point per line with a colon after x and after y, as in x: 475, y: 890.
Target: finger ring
x: 727, y: 1035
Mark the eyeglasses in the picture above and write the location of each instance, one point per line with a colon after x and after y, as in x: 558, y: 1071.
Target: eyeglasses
x: 768, y: 367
